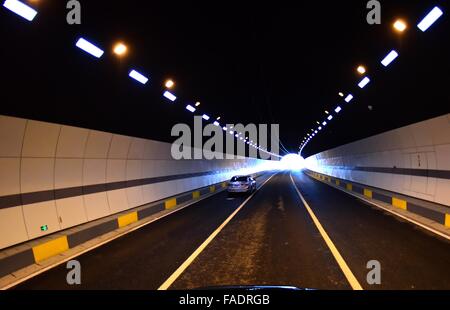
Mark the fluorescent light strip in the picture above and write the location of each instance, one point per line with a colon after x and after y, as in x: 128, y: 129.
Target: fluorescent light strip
x: 389, y: 58
x: 324, y: 123
x: 338, y: 109
x: 349, y: 98
x: 216, y: 123
x: 20, y: 9
x: 330, y: 117
x: 169, y: 96
x: 364, y: 82
x: 190, y: 108
x: 429, y: 20
x: 90, y: 48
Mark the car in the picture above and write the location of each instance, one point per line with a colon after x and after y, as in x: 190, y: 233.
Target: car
x: 241, y: 184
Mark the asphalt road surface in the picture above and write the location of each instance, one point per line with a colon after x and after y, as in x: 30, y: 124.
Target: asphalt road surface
x: 272, y: 240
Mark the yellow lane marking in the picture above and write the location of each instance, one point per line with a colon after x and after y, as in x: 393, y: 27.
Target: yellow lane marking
x: 399, y: 203
x: 170, y: 204
x: 127, y: 219
x: 200, y: 249
x: 50, y: 248
x: 337, y: 256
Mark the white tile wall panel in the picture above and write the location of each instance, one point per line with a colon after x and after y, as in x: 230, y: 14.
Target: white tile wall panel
x: 439, y: 130
x: 157, y: 150
x: 40, y: 214
x: 71, y: 142
x: 12, y: 132
x: 421, y: 134
x: 168, y: 168
x: 9, y: 176
x: 135, y: 196
x: 37, y: 174
x: 120, y: 147
x: 148, y: 169
x: 116, y: 170
x: 431, y: 162
x: 38, y: 156
x: 12, y: 227
x: 71, y: 211
x: 40, y: 139
x: 96, y: 205
x: 134, y: 170
x: 425, y: 149
x: 94, y: 171
x: 136, y: 149
x: 431, y: 187
x: 117, y: 200
x: 148, y: 150
x: 148, y: 192
x: 442, y: 157
x: 166, y: 188
x: 412, y: 147
x: 419, y: 185
x: 442, y: 192
x: 160, y: 168
x: 158, y: 191
x: 98, y: 144
x: 196, y: 182
x: 68, y: 173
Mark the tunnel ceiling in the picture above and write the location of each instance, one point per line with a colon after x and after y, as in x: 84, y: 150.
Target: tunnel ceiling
x: 263, y: 62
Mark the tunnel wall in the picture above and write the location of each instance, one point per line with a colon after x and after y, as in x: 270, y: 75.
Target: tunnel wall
x: 412, y: 160
x: 53, y: 177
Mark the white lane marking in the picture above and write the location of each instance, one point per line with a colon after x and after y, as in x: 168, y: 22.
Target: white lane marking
x: 200, y: 249
x: 426, y: 227
x: 38, y: 272
x: 337, y: 256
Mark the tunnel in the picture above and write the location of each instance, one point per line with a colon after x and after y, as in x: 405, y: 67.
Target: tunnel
x: 190, y: 148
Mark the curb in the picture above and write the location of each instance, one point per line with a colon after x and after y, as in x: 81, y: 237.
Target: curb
x: 37, y: 251
x: 399, y: 201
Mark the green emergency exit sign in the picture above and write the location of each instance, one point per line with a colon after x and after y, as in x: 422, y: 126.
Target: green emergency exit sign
x: 44, y: 228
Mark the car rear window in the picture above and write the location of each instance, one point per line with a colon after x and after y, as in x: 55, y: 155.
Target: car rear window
x: 239, y: 179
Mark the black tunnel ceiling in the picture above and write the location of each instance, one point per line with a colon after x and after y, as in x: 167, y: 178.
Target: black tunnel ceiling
x: 258, y: 62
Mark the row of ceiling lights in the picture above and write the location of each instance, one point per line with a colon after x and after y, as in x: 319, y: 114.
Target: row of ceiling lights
x: 400, y: 26
x: 120, y: 49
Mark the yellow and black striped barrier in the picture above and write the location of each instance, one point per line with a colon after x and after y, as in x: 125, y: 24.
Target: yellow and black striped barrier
x: 396, y: 200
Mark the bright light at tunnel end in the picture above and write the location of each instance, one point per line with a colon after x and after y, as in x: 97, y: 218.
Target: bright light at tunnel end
x: 293, y: 162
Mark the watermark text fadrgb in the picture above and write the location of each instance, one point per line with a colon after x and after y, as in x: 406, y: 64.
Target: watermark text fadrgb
x: 229, y: 142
